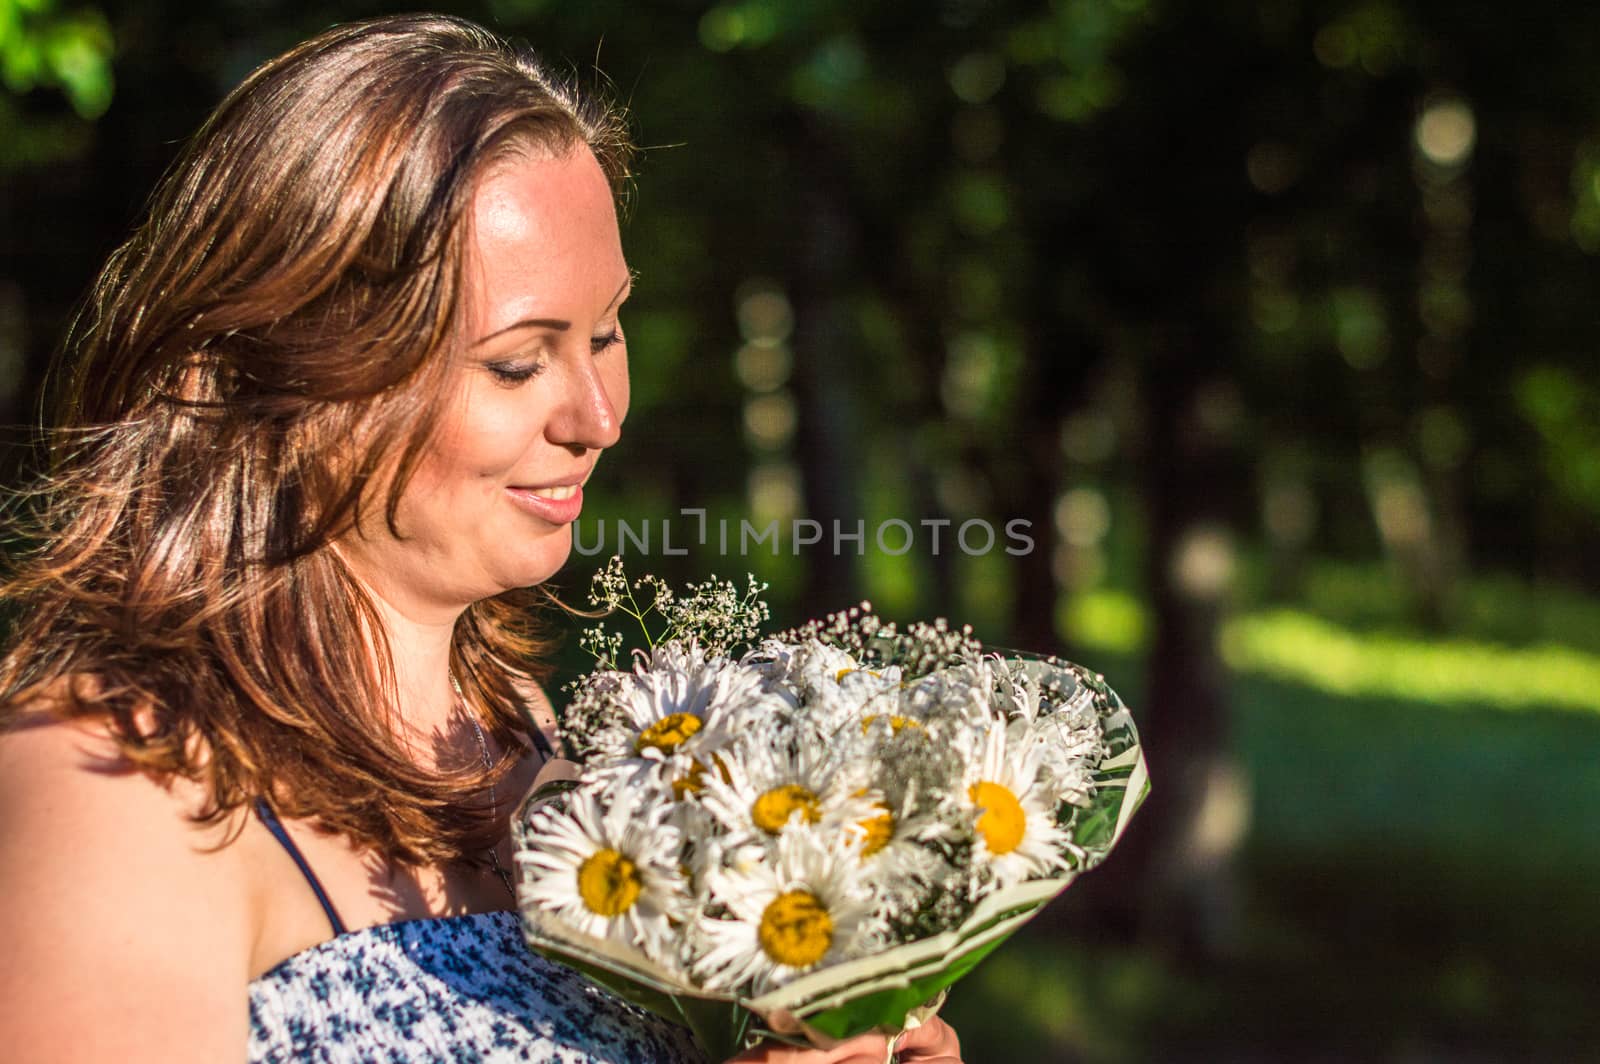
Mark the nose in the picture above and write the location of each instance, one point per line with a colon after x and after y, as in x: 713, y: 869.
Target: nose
x: 593, y: 406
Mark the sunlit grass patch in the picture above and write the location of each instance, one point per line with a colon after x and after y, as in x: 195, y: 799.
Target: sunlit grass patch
x: 1297, y: 646
x: 1291, y: 645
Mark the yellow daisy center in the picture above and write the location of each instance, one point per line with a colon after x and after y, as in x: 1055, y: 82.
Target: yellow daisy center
x: 879, y: 829
x: 691, y: 782
x: 1001, y: 820
x: 694, y: 781
x: 796, y: 929
x: 608, y: 883
x: 668, y: 733
x: 773, y: 809
x: 896, y: 723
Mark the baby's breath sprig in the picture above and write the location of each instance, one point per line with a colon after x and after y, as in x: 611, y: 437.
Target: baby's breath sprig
x: 601, y: 644
x: 929, y: 907
x: 713, y: 613
x: 716, y: 615
x: 610, y: 590
x: 594, y: 705
x: 922, y: 648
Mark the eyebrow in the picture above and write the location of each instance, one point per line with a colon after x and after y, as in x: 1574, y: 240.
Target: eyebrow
x: 555, y: 324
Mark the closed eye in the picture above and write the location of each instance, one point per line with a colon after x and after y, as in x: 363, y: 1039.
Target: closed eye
x: 511, y: 373
x: 598, y: 344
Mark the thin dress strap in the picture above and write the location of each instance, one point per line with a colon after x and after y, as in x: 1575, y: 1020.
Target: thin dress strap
x: 535, y: 733
x: 274, y: 825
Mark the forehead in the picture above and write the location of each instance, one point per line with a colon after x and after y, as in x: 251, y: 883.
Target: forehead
x: 543, y: 236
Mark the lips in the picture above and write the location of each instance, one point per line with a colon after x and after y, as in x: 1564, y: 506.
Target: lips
x: 558, y: 504
x: 556, y: 501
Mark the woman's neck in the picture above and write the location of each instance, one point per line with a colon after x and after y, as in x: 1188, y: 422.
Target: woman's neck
x: 427, y: 708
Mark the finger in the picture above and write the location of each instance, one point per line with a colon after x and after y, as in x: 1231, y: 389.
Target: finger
x: 934, y: 1042
x: 791, y: 1055
x: 865, y: 1049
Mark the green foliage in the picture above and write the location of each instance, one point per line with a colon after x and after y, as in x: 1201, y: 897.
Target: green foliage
x: 1564, y: 407
x: 43, y: 47
x: 1585, y: 221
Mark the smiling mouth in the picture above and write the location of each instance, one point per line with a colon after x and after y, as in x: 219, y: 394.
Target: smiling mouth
x: 561, y: 491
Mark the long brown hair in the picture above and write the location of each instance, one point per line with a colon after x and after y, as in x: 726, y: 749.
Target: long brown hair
x: 260, y: 361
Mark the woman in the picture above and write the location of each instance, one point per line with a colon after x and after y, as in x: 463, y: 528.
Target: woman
x: 272, y: 692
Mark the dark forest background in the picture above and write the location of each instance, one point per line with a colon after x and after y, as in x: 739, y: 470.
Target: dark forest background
x: 1277, y: 321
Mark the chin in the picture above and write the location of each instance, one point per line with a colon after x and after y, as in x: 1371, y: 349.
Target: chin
x: 544, y: 560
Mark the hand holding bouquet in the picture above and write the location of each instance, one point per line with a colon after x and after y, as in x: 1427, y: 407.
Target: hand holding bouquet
x: 816, y: 837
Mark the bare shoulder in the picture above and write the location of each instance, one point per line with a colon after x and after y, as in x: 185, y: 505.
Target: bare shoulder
x: 127, y: 929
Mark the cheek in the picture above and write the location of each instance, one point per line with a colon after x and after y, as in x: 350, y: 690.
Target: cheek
x: 487, y: 444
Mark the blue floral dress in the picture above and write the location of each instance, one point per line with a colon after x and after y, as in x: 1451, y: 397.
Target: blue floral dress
x: 459, y: 989
x: 443, y: 990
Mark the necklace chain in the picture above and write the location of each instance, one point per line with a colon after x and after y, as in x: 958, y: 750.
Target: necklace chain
x: 483, y: 748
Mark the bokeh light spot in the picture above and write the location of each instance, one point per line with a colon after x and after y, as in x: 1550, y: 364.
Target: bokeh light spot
x: 1445, y: 132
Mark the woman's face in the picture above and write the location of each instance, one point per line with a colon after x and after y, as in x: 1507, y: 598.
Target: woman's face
x: 539, y: 388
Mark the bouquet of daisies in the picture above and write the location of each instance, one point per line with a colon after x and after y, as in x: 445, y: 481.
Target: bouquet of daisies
x: 813, y: 834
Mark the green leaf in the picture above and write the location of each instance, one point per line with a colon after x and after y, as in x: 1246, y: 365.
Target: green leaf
x: 719, y: 1026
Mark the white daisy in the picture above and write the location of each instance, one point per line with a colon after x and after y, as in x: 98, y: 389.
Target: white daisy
x: 894, y: 843
x: 771, y: 657
x: 1068, y: 743
x: 1057, y: 716
x: 1017, y: 692
x: 778, y: 776
x: 803, y: 907
x: 677, y: 710
x: 815, y: 669
x: 703, y: 842
x: 890, y: 713
x: 960, y: 696
x: 610, y: 871
x: 907, y: 770
x: 1012, y: 817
